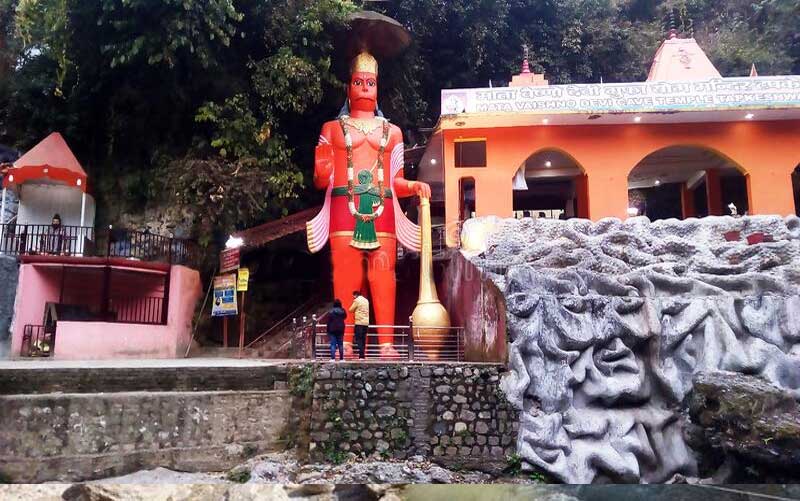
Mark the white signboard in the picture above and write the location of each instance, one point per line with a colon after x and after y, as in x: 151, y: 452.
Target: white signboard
x: 705, y: 95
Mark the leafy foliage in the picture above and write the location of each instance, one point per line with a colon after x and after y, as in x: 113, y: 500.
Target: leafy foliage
x: 214, y: 105
x: 239, y: 475
x: 142, y: 26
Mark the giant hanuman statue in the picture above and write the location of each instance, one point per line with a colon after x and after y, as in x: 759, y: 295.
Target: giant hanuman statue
x: 359, y: 161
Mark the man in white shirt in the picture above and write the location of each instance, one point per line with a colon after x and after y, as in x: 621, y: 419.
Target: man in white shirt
x: 360, y: 309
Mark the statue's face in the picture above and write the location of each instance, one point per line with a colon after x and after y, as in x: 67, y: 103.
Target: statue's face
x: 363, y: 91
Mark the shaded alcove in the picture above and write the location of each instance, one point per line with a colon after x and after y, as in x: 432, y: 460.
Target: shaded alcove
x: 550, y: 184
x: 686, y: 181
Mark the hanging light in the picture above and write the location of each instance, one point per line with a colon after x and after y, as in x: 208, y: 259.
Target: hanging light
x: 234, y: 242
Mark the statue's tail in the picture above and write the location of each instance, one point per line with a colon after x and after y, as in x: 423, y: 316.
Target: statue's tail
x: 318, y: 229
x: 408, y: 233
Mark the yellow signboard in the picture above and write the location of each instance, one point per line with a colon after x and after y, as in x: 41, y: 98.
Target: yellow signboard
x: 244, y: 277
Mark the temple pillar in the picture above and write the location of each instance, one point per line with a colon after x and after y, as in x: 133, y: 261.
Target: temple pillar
x: 687, y: 202
x: 582, y: 194
x: 494, y: 195
x: 452, y: 208
x: 714, y: 193
x: 607, y: 194
x: 769, y: 190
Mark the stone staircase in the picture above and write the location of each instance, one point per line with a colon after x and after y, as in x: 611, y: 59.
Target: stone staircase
x: 275, y: 342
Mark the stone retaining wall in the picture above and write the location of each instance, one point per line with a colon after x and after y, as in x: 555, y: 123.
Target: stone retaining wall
x: 54, y: 437
x: 74, y: 424
x: 78, y: 424
x: 453, y: 413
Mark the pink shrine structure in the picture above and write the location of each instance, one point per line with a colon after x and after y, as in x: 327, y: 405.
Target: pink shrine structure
x: 132, y: 297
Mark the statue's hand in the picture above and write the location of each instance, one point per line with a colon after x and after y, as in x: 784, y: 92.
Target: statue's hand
x: 423, y: 190
x: 323, y: 165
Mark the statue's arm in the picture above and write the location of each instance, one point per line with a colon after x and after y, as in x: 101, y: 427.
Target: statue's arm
x: 402, y: 186
x: 323, y: 158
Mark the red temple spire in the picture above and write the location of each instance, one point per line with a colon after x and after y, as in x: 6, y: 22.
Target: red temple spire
x: 526, y: 77
x: 753, y: 71
x: 525, y: 66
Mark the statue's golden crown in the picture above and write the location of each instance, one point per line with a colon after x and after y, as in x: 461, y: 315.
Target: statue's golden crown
x: 364, y: 63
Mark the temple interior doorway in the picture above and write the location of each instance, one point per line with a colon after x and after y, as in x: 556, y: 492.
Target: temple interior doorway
x: 686, y: 181
x: 466, y: 199
x: 550, y: 184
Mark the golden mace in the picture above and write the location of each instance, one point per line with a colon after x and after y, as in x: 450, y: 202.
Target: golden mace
x: 430, y: 320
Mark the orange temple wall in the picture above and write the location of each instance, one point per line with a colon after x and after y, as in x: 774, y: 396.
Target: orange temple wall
x: 766, y: 152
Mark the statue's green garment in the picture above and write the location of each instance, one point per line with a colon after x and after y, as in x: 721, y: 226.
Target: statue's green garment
x: 369, y: 198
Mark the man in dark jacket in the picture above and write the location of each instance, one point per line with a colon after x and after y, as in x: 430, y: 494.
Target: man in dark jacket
x: 336, y: 329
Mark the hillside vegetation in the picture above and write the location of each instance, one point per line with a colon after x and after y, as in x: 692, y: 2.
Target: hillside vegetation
x: 209, y: 108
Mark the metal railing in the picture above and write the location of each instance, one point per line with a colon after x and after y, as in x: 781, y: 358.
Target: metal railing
x: 42, y: 239
x: 439, y: 233
x: 409, y: 343
x: 19, y: 239
x: 289, y: 319
x: 138, y: 310
x: 37, y: 341
x: 439, y: 239
x: 146, y: 246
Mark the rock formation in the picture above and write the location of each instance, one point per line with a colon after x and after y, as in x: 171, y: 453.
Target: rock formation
x: 747, y: 424
x: 609, y: 322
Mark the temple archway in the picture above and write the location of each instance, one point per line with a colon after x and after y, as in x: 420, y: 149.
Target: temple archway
x: 551, y: 184
x: 686, y: 181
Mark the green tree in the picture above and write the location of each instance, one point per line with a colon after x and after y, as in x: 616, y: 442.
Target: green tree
x: 229, y: 94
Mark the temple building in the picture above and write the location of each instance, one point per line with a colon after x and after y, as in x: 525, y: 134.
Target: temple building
x: 687, y: 142
x: 48, y: 180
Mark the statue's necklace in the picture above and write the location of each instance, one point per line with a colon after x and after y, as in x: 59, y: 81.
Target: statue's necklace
x: 344, y: 122
x: 365, y: 125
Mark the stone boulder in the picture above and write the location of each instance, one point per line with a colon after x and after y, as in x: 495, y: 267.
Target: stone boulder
x: 748, y: 420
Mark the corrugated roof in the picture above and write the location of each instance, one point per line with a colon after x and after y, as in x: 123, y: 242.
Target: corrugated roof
x: 263, y: 234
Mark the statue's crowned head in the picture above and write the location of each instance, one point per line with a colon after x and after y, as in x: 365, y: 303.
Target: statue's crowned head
x: 364, y: 63
x: 363, y: 89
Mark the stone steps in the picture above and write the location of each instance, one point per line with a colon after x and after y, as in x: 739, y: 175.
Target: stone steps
x: 19, y: 381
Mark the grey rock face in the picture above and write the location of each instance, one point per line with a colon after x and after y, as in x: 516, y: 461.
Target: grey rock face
x: 609, y: 322
x: 748, y: 418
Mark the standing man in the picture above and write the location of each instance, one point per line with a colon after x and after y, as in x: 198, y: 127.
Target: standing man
x: 360, y: 309
x: 54, y: 238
